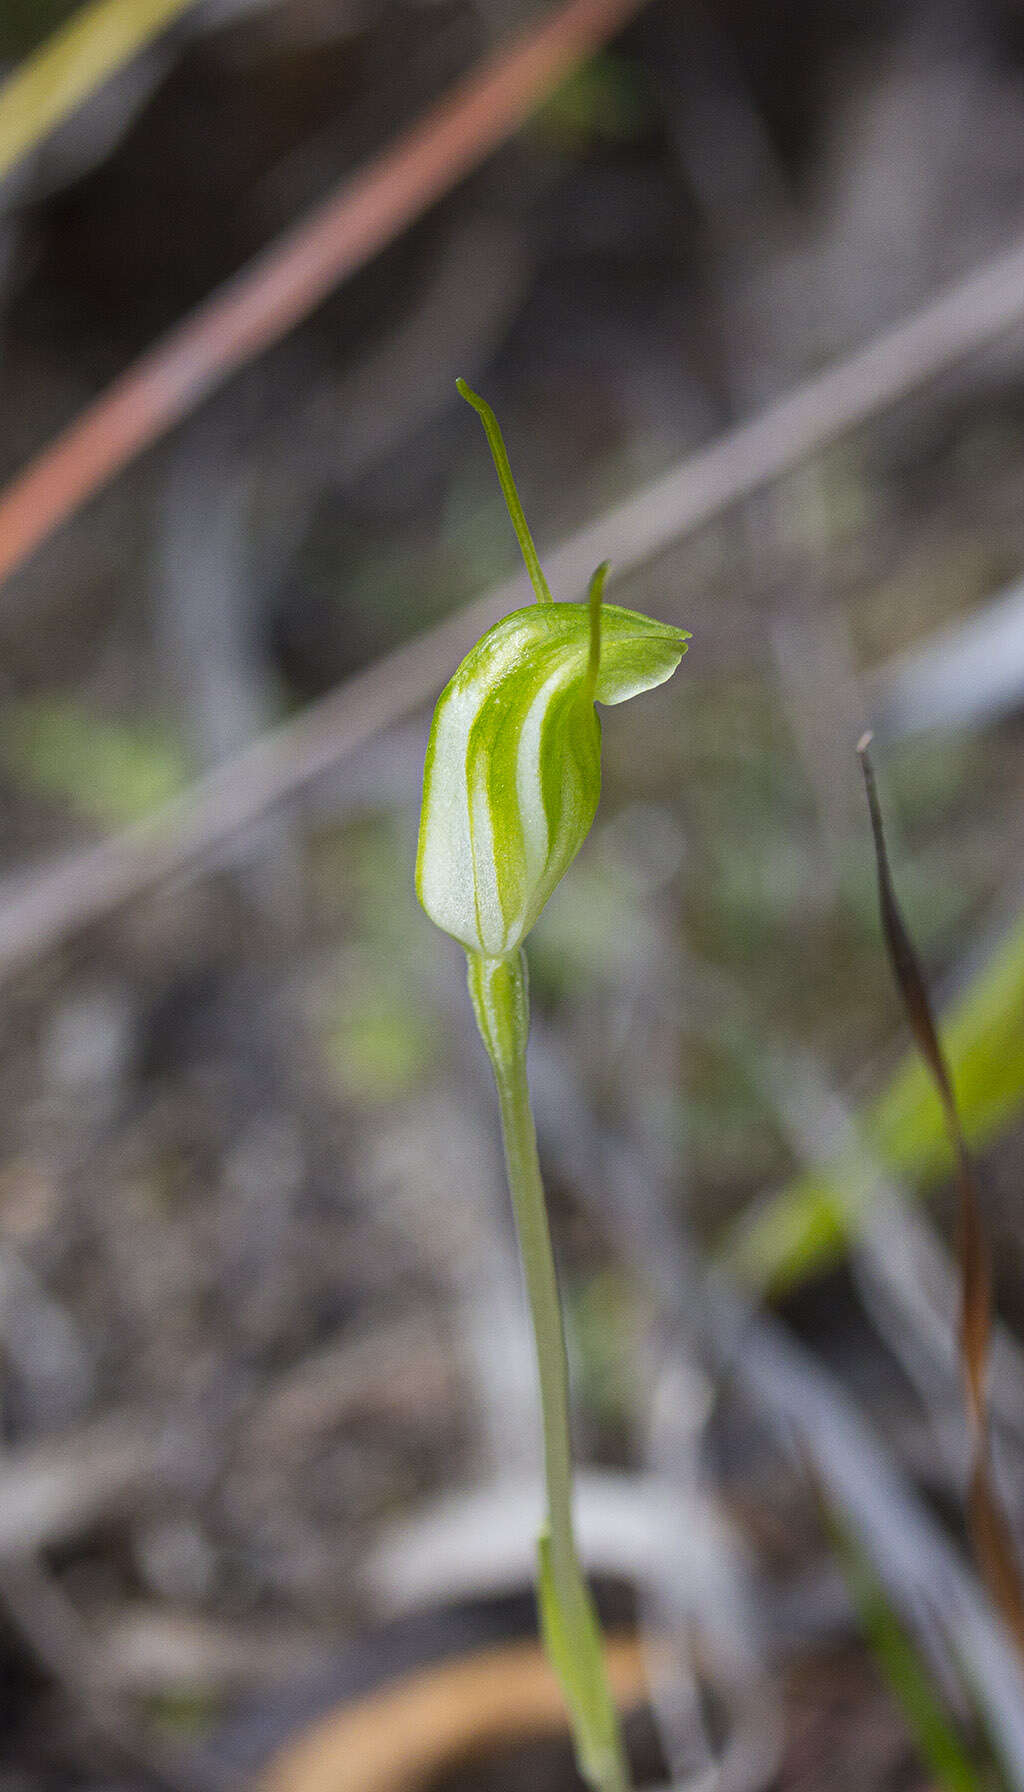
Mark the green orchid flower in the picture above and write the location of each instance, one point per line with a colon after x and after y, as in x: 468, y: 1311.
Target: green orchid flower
x: 513, y: 768
x: 510, y: 789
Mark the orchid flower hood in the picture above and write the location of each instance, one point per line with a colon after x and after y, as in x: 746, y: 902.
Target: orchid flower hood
x: 513, y: 767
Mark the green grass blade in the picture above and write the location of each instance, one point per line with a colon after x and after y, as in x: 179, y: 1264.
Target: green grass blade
x: 574, y: 1648
x: 804, y: 1228
x: 933, y: 1730
x: 68, y: 66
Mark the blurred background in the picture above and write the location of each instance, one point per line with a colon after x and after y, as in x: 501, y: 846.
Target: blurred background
x: 267, y: 1405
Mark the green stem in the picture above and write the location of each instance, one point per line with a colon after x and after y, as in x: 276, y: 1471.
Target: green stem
x: 568, y: 1619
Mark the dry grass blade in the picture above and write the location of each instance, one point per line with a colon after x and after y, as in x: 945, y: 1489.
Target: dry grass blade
x: 976, y: 1299
x: 289, y: 279
x: 90, y: 884
x: 993, y: 1542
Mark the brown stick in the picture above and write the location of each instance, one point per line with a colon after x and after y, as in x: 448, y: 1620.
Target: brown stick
x: 993, y: 1541
x: 291, y: 277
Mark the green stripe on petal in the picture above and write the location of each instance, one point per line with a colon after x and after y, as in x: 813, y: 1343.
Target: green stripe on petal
x: 513, y: 769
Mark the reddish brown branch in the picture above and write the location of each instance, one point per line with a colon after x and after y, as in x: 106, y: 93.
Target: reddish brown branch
x: 993, y: 1541
x: 290, y: 278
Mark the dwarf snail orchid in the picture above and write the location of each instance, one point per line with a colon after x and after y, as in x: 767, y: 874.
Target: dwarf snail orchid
x: 513, y: 768
x: 510, y: 789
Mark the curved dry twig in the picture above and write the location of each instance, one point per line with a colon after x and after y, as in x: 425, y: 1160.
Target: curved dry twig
x: 993, y: 1540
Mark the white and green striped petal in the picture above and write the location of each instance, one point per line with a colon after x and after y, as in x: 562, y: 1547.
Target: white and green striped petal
x: 513, y: 769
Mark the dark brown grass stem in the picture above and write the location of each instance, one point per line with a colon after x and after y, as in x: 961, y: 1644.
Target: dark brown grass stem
x: 990, y: 1533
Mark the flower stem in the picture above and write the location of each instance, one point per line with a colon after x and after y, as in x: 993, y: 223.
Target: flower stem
x: 568, y: 1619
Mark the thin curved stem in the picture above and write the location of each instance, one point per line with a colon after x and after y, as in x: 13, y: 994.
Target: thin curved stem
x: 568, y: 1618
x: 517, y: 516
